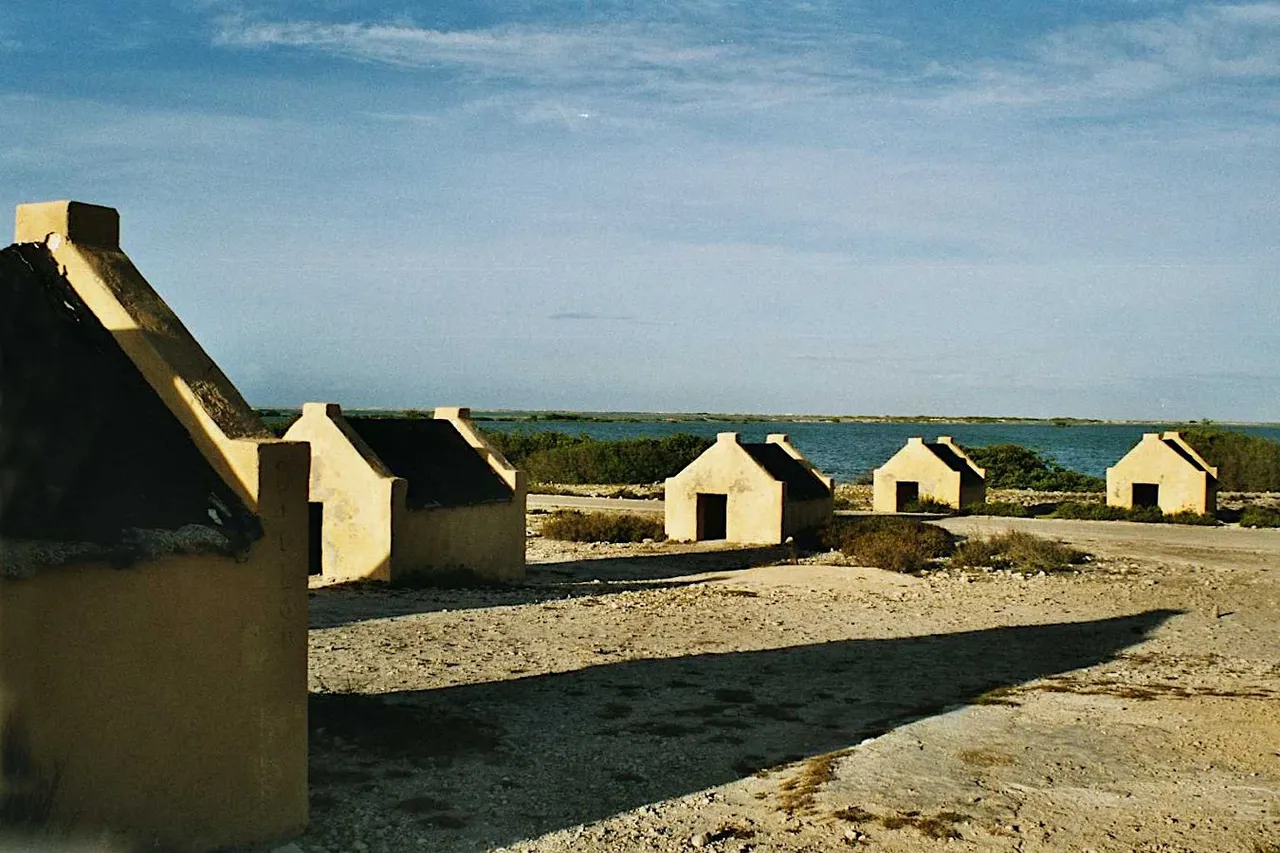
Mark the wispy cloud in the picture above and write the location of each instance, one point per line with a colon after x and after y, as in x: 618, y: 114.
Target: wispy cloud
x: 513, y: 51
x: 669, y: 62
x: 1202, y: 47
x: 754, y: 64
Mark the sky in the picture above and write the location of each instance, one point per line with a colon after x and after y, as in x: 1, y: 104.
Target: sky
x: 1053, y: 208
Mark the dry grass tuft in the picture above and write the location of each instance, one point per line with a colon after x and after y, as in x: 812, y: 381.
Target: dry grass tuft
x: 796, y: 794
x: 1019, y: 551
x: 569, y: 525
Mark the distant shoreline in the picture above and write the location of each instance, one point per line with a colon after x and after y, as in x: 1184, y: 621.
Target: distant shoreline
x: 561, y: 416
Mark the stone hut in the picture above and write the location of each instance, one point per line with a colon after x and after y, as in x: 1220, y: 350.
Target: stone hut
x: 153, y: 550
x: 394, y: 497
x: 751, y: 493
x: 1163, y: 470
x: 938, y: 470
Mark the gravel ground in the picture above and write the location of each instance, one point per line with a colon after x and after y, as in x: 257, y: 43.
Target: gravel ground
x: 681, y: 697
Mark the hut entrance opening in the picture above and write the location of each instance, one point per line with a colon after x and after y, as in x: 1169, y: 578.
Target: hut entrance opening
x: 1146, y: 494
x: 315, y: 538
x: 713, y: 516
x: 907, y: 493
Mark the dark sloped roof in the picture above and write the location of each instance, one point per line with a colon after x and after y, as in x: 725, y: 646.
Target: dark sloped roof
x: 88, y: 452
x: 1181, y: 451
x: 441, y: 467
x: 955, y: 463
x: 802, y: 484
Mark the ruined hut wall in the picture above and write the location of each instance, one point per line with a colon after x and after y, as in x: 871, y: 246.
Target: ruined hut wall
x: 167, y: 699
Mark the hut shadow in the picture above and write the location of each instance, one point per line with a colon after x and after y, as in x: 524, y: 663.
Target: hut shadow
x: 348, y: 603
x: 515, y: 759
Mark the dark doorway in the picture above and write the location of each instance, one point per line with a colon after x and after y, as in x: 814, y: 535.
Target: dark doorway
x: 1146, y: 494
x: 315, y: 538
x: 907, y: 493
x: 713, y: 516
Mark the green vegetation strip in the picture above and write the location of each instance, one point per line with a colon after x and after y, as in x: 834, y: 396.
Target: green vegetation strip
x: 556, y: 457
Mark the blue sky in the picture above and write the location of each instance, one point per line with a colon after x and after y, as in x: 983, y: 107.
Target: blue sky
x: 1031, y: 208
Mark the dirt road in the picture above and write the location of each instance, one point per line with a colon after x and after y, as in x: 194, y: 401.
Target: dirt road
x: 673, y: 697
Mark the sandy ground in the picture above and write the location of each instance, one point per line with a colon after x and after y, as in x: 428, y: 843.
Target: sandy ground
x: 674, y: 697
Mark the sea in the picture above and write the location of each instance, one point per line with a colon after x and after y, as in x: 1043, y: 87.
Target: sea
x: 849, y: 450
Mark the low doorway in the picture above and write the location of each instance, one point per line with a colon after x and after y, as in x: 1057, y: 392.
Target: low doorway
x: 906, y: 493
x: 713, y: 516
x: 315, y: 538
x: 1146, y: 494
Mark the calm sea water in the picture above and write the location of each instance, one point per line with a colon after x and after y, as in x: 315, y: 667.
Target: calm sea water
x: 846, y: 450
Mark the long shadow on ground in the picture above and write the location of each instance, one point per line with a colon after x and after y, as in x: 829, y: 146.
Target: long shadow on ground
x: 342, y: 604
x: 514, y: 759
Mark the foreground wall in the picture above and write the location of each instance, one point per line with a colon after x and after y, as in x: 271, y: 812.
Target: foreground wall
x: 164, y: 698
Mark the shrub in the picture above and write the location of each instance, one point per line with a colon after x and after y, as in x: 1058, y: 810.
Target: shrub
x: 1023, y: 552
x: 1188, y: 517
x: 1004, y: 509
x: 1260, y: 516
x: 929, y: 505
x: 570, y: 525
x: 1012, y: 466
x: 1142, y: 514
x: 896, y: 544
x: 1245, y: 463
x: 1090, y: 511
x: 555, y: 457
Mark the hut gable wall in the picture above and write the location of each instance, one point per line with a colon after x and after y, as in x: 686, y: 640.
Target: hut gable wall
x: 166, y: 699
x: 1164, y: 467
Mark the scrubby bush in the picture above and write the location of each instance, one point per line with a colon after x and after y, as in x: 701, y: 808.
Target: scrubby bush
x: 929, y: 505
x: 570, y: 525
x: 1260, y: 516
x: 1245, y: 463
x: 1091, y: 511
x: 1004, y: 509
x: 888, y: 542
x: 1188, y: 517
x: 1012, y: 466
x: 555, y: 457
x: 1019, y: 551
x: 1142, y: 514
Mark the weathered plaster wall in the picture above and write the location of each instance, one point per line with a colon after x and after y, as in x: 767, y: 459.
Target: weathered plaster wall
x: 799, y: 516
x: 1185, y: 486
x: 167, y: 699
x: 486, y: 540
